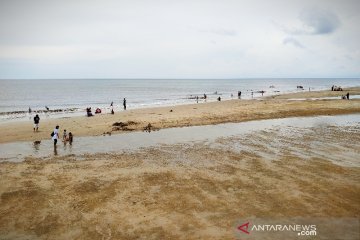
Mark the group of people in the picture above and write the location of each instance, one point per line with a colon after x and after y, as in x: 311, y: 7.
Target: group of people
x: 98, y: 110
x: 336, y: 88
x: 66, y: 137
x: 346, y: 96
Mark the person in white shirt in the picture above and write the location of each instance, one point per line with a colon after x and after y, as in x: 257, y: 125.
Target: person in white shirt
x: 55, y: 135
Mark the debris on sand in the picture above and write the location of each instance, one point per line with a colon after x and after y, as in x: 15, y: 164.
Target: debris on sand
x: 123, y: 126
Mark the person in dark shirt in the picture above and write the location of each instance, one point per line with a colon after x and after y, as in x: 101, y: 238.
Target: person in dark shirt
x: 124, y: 103
x: 36, y: 122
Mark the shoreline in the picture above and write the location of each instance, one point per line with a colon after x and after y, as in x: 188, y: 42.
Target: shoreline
x: 209, y: 113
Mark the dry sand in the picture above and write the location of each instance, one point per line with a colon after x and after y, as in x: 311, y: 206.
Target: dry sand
x: 191, y: 191
x: 187, y: 115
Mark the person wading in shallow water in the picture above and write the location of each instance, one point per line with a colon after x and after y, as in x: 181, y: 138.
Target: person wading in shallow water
x: 55, y: 135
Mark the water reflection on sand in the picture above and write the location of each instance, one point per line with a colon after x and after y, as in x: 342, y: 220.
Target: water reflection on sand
x: 273, y: 136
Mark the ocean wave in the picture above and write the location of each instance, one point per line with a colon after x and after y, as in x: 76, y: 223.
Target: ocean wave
x: 40, y: 111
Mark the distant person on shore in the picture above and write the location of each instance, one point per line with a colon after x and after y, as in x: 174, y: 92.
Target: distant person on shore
x: 219, y: 99
x: 205, y: 97
x: 112, y: 111
x: 88, y: 112
x: 55, y: 135
x: 111, y: 104
x: 239, y: 94
x: 197, y: 99
x: 30, y: 110
x: 36, y: 122
x: 348, y: 96
x: 124, y: 104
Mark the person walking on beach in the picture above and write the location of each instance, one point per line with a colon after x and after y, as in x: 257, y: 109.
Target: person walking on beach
x: 124, y: 103
x: 55, y: 135
x: 36, y: 122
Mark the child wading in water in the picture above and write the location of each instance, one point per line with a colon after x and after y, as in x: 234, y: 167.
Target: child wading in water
x: 70, y: 138
x: 64, y: 136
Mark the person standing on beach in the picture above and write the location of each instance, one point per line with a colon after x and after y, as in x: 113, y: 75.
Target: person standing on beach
x: 348, y: 96
x: 239, y: 94
x: 55, y: 135
x: 30, y: 110
x: 124, y: 103
x: 36, y: 122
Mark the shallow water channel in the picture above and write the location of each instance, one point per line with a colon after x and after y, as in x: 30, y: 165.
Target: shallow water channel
x: 117, y: 143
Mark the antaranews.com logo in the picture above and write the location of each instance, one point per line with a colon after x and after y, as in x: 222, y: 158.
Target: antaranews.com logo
x: 299, y: 229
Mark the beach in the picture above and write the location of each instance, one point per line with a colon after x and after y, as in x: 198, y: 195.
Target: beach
x: 193, y: 190
x: 188, y: 115
x: 189, y: 120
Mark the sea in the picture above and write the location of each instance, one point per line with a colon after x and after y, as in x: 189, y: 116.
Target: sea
x: 57, y: 98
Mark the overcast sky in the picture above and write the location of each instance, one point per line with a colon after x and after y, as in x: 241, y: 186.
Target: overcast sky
x: 179, y: 39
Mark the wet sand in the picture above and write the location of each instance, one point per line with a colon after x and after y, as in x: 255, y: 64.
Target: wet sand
x: 187, y: 115
x: 183, y: 191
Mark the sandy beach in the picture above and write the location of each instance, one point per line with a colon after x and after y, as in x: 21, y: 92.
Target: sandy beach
x: 189, y: 120
x: 185, y: 191
x: 188, y: 115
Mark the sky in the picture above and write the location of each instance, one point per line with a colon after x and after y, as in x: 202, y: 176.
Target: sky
x: 179, y: 39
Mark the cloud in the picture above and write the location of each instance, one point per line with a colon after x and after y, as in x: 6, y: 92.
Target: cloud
x: 293, y: 41
x: 220, y: 31
x: 316, y: 21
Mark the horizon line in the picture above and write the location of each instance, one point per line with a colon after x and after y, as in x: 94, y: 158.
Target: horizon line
x: 179, y: 78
